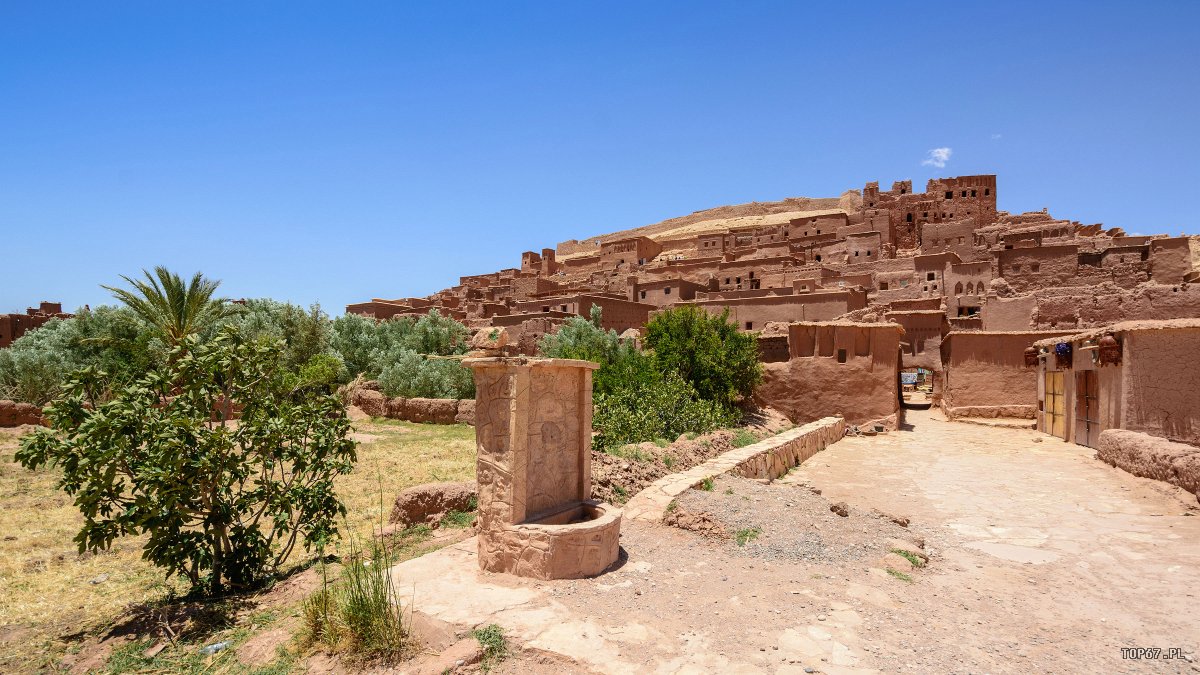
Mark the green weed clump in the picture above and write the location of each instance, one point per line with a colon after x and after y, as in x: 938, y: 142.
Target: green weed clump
x: 356, y: 615
x: 495, y: 645
x: 746, y: 535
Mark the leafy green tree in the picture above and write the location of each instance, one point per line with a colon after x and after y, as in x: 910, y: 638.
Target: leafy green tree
x: 437, y: 334
x: 709, y: 352
x: 355, y: 338
x: 660, y: 407
x: 304, y: 333
x: 621, y: 363
x: 220, y: 504
x: 175, y: 308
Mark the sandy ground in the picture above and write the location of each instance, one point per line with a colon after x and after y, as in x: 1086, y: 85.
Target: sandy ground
x: 1042, y: 560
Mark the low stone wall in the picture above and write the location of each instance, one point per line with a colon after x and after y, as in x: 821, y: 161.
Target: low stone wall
x: 13, y: 414
x: 767, y: 459
x: 426, y: 410
x: 1152, y: 457
x: 1025, y: 412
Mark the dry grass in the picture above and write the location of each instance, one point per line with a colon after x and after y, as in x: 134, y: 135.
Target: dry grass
x: 47, y: 600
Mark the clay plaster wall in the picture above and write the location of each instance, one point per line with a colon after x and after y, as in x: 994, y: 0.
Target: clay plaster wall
x: 813, y: 383
x: 1162, y: 383
x: 986, y: 375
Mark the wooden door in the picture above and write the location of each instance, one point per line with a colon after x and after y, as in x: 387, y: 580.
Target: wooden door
x: 1054, y: 410
x: 1087, y: 408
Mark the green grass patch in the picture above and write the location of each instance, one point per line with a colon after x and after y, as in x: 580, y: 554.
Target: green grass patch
x: 673, y: 506
x: 910, y: 557
x: 746, y: 535
x: 899, y: 575
x: 632, y: 452
x: 668, y: 461
x: 461, y: 519
x: 728, y: 491
x: 707, y: 484
x: 742, y: 438
x: 661, y: 442
x: 495, y: 645
x: 622, y: 494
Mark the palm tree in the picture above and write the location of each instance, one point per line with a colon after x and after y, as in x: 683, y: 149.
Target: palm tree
x: 174, y: 308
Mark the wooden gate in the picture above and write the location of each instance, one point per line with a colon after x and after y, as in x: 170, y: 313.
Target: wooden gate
x: 1054, y: 410
x: 1087, y: 408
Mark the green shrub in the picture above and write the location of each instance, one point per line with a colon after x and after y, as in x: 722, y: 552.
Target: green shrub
x: 305, y: 334
x: 621, y: 363
x: 222, y: 505
x: 660, y: 407
x: 709, y: 352
x: 33, y: 368
x: 746, y: 535
x: 414, y: 375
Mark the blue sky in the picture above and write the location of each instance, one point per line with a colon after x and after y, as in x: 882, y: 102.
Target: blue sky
x: 335, y: 152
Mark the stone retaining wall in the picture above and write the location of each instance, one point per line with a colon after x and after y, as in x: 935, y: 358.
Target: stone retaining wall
x: 426, y: 410
x: 768, y: 459
x: 1026, y: 412
x: 13, y: 414
x: 1152, y: 457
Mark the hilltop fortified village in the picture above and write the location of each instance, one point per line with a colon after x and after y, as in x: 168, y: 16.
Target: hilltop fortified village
x: 847, y: 292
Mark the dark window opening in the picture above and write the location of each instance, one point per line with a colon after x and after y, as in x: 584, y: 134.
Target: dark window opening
x: 749, y: 325
x: 667, y: 290
x: 883, y: 285
x: 818, y: 257
x: 987, y: 191
x: 643, y: 295
x: 1035, y: 267
x: 931, y: 276
x: 546, y: 308
x: 949, y: 194
x: 964, y: 193
x: 972, y: 193
x: 841, y: 356
x: 908, y: 219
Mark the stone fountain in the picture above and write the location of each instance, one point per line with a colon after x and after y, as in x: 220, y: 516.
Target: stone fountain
x: 533, y: 427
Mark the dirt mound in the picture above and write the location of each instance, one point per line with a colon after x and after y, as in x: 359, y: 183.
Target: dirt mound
x: 430, y: 502
x: 791, y: 522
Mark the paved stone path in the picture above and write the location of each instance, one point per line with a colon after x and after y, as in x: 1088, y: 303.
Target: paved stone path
x: 1043, y: 560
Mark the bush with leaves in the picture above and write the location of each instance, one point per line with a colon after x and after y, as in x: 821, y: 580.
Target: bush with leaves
x: 621, y: 362
x: 222, y: 504
x: 658, y: 407
x: 708, y: 351
x: 32, y: 369
x: 410, y: 375
x: 304, y: 333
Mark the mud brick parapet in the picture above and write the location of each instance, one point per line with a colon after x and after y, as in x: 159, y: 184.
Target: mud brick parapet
x: 424, y: 410
x: 13, y: 414
x: 1152, y: 457
x: 768, y: 459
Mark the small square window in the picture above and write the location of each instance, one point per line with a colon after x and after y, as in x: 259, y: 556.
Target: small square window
x: 667, y: 290
x: 1035, y: 267
x: 841, y: 356
x: 883, y: 285
x: 749, y: 325
x: 930, y: 276
x: 949, y: 194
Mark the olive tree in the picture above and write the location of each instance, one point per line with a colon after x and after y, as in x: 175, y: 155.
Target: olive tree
x: 222, y: 503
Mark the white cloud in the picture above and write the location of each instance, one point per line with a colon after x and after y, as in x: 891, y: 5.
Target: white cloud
x: 938, y: 157
x: 996, y: 137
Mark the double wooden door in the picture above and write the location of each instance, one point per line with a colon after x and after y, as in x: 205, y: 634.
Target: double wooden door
x: 1087, y: 408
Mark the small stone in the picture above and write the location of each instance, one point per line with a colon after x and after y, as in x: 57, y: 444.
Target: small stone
x: 820, y: 617
x: 840, y: 508
x: 460, y: 663
x: 99, y: 580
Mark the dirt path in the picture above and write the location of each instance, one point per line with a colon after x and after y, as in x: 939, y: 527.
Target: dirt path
x: 1043, y: 560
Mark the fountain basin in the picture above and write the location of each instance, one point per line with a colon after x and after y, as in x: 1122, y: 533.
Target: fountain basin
x: 571, y: 541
